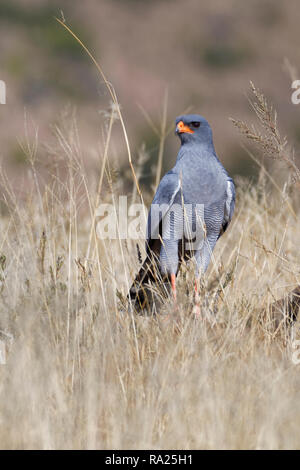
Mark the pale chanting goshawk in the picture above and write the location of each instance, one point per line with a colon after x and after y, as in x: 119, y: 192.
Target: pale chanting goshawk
x: 191, y: 209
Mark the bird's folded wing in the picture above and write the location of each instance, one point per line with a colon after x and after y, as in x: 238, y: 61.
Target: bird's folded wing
x: 167, y: 191
x: 229, y: 204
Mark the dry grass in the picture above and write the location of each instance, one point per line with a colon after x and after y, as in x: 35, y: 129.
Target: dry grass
x: 82, y: 372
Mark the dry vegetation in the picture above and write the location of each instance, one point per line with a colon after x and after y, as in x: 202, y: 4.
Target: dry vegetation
x: 83, y: 372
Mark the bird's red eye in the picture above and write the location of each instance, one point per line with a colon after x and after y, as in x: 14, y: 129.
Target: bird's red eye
x: 195, y: 124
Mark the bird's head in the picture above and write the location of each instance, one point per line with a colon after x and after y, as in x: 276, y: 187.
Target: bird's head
x: 193, y: 128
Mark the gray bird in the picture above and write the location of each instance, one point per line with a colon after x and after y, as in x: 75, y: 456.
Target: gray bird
x: 191, y: 209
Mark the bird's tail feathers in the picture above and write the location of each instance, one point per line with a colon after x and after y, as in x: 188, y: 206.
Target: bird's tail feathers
x: 141, y: 292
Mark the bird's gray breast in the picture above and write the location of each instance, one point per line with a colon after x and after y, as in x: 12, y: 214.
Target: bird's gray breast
x: 204, y: 182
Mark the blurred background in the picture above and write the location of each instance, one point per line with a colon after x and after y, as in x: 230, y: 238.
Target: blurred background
x: 203, y: 54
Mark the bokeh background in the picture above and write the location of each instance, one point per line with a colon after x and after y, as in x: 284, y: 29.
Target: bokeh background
x: 81, y: 370
x: 202, y: 53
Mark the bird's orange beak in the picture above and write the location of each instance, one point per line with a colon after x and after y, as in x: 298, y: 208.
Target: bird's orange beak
x: 181, y: 127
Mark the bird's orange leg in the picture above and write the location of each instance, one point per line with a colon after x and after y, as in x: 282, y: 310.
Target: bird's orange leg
x: 197, y: 309
x: 173, y: 286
